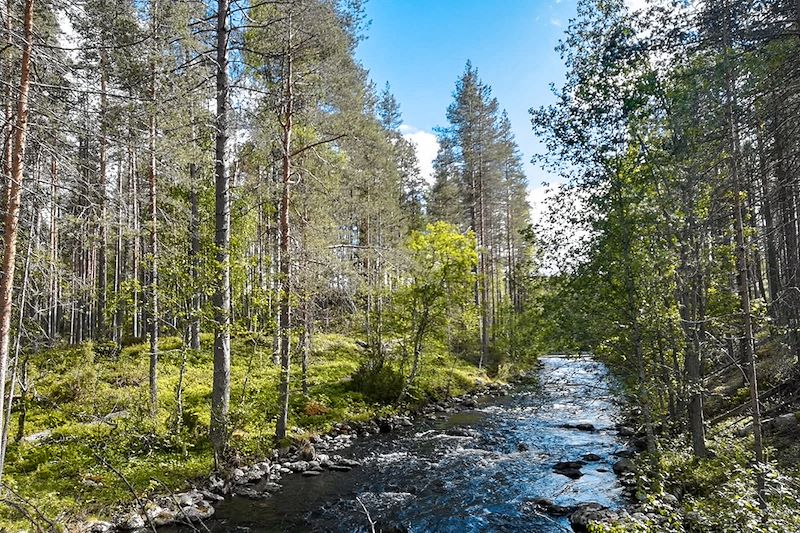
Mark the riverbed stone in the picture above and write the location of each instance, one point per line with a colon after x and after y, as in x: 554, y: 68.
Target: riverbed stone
x: 626, y: 431
x: 589, y: 513
x: 131, y: 522
x: 251, y: 493
x: 624, y: 466
x: 570, y: 469
x: 201, y: 510
x: 161, y: 516
x: 580, y: 426
x: 591, y: 458
x: 548, y: 507
x: 99, y: 526
x: 189, y: 498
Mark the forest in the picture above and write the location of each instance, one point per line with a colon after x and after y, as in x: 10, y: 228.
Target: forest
x: 222, y: 265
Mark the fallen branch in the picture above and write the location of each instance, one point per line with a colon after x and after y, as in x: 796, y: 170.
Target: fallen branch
x: 139, y: 501
x: 366, y: 512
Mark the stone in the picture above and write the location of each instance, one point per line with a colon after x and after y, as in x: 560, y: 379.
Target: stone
x: 160, y: 516
x: 669, y: 499
x: 99, y: 526
x: 311, y: 473
x: 548, y: 507
x: 132, y: 522
x: 591, y: 458
x: 247, y: 492
x: 626, y: 431
x: 267, y: 486
x: 570, y: 469
x: 581, y: 426
x: 298, y: 466
x: 340, y: 468
x: 211, y: 496
x: 522, y: 447
x: 189, y: 498
x: 463, y: 432
x: 624, y: 466
x: 36, y: 437
x: 352, y: 463
x: 199, y: 511
x: 589, y: 513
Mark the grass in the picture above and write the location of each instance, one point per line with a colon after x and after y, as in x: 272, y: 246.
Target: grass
x: 68, y: 476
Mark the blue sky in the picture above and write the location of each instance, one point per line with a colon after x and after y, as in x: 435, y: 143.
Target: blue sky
x: 421, y: 47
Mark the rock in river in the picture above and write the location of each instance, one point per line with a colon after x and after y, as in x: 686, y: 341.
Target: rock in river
x: 624, y: 466
x: 571, y: 469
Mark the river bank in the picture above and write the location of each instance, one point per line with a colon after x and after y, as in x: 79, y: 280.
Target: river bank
x: 547, y: 455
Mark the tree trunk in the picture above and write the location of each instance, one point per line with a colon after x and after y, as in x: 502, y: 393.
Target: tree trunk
x: 153, y: 223
x: 221, y: 390
x: 11, y: 220
x: 194, y: 260
x: 101, y: 194
x: 285, y: 267
x: 743, y: 280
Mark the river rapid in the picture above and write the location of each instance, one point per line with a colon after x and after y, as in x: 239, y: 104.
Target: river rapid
x: 467, y: 471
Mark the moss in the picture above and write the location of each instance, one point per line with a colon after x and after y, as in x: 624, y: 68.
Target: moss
x: 68, y: 473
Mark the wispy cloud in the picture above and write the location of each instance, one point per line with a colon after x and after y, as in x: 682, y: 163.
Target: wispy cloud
x: 555, y: 22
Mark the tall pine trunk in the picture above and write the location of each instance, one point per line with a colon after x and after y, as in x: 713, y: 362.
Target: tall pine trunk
x: 285, y: 266
x: 221, y: 389
x: 14, y: 195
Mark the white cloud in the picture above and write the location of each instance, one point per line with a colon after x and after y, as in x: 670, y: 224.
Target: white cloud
x: 427, y: 146
x: 555, y: 22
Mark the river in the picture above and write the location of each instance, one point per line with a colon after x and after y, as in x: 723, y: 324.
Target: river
x: 467, y: 471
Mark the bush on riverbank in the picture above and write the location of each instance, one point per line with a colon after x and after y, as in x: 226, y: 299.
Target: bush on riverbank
x: 90, y: 412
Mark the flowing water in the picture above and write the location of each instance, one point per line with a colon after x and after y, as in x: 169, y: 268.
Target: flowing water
x: 468, y: 471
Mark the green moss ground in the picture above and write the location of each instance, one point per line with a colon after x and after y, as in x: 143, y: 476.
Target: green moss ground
x: 68, y: 475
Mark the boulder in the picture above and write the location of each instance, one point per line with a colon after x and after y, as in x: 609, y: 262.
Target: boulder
x: 591, y: 458
x: 189, y: 498
x: 132, y: 522
x: 161, y: 516
x: 589, y: 513
x: 198, y: 511
x: 99, y: 526
x: 570, y: 469
x: 36, y: 437
x: 253, y: 494
x: 548, y: 507
x: 624, y: 466
x: 581, y: 426
x: 625, y: 431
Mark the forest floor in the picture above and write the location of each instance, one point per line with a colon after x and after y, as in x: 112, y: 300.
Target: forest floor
x: 88, y: 431
x: 718, y: 493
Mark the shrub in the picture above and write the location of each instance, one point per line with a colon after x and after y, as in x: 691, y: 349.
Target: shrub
x: 381, y: 383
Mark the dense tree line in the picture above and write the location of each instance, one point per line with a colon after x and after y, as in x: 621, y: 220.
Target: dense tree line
x: 677, y: 128
x: 177, y: 168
